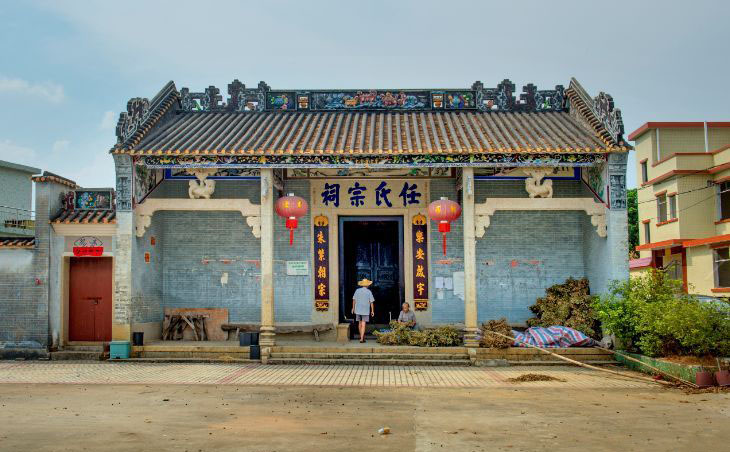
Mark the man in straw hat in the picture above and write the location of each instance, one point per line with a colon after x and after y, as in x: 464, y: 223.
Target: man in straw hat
x: 363, y: 306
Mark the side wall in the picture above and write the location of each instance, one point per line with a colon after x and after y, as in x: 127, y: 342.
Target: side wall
x: 192, y: 253
x: 522, y: 252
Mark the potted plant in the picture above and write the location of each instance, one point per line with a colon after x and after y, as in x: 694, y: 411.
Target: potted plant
x: 704, y: 379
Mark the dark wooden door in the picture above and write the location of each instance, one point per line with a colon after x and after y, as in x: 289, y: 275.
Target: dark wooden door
x: 90, y: 299
x: 372, y: 249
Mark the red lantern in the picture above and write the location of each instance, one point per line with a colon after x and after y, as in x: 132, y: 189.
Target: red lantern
x: 291, y: 207
x: 444, y: 212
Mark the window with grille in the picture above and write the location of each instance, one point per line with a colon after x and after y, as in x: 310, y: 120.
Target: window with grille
x: 644, y: 172
x: 724, y: 200
x: 722, y: 267
x: 661, y: 206
x: 647, y: 233
x: 672, y: 207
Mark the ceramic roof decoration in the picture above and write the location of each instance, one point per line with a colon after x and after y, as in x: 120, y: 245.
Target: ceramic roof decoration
x: 368, y: 123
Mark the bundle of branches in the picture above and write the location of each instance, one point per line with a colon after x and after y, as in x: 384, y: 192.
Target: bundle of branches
x: 398, y: 335
x: 569, y: 304
x: 437, y: 337
x: 492, y: 340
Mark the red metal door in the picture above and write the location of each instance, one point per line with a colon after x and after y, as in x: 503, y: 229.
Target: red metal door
x: 90, y: 299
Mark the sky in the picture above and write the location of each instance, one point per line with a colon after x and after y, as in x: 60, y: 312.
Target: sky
x: 69, y: 67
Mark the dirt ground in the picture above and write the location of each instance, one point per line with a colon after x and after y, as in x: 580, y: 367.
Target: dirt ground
x: 59, y: 417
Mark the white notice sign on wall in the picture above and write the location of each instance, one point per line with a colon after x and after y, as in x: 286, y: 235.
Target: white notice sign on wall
x: 297, y: 268
x: 459, y: 284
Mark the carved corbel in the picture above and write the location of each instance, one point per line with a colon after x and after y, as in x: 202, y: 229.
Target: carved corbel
x: 535, y: 185
x: 141, y: 223
x: 255, y: 223
x: 599, y: 221
x: 481, y: 223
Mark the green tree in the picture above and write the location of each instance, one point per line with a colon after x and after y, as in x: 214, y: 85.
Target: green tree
x: 633, y: 213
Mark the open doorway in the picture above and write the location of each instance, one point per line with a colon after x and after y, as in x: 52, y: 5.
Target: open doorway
x: 372, y: 248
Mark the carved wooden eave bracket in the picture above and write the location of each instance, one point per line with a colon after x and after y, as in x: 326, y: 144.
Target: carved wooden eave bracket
x: 143, y: 212
x: 484, y: 211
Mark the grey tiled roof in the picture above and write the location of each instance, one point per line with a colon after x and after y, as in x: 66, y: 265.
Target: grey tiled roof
x: 271, y: 133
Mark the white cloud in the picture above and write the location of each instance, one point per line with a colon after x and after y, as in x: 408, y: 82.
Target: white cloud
x: 108, y: 121
x: 49, y: 91
x: 61, y: 145
x: 14, y: 153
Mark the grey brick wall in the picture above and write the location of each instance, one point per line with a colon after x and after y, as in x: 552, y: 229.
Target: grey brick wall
x: 190, y: 256
x: 451, y: 308
x: 147, y: 277
x: 23, y: 303
x: 293, y: 296
x: 523, y: 252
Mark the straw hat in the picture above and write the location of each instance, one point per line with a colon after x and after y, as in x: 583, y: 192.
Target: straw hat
x: 364, y: 283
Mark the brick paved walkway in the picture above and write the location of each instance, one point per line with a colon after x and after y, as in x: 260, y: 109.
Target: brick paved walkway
x: 306, y: 375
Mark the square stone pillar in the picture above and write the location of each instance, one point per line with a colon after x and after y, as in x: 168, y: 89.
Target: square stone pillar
x: 267, y: 337
x: 123, y: 241
x: 470, y: 281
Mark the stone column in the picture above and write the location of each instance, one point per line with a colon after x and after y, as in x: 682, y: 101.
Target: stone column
x: 123, y: 240
x: 470, y: 274
x: 267, y: 337
x: 617, y: 218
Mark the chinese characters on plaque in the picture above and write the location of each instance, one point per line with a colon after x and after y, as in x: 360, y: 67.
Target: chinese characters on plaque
x: 420, y: 262
x: 321, y: 264
x: 364, y: 194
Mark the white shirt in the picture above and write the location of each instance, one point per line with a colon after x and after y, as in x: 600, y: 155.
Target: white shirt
x: 363, y: 297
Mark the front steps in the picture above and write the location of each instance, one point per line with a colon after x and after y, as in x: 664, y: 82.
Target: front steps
x: 370, y: 356
x: 177, y: 352
x: 79, y: 353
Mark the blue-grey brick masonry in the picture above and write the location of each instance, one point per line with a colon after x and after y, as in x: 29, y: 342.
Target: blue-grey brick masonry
x: 524, y: 252
x: 293, y: 297
x: 192, y: 252
x: 26, y: 284
x: 450, y: 309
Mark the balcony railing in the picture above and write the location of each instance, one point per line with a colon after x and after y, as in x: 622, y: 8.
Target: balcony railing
x: 14, y: 221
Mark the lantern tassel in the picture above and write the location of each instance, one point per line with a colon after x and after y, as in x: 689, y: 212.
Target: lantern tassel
x: 291, y: 237
x: 444, y: 238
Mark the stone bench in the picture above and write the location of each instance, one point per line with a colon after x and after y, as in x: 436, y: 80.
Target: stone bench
x: 315, y: 329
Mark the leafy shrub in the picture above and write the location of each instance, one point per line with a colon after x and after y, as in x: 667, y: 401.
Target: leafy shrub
x: 569, y: 304
x: 443, y: 336
x: 651, y: 314
x: 492, y: 340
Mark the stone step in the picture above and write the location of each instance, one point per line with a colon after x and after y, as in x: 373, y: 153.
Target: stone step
x: 188, y: 360
x: 371, y: 362
x: 397, y: 356
x: 558, y: 362
x: 223, y: 354
x: 84, y: 348
x: 403, y: 349
x: 73, y: 355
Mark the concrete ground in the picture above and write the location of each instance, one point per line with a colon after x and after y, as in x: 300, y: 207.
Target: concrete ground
x: 99, y: 412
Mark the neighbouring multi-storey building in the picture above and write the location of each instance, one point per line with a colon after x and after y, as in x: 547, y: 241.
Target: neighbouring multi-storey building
x: 16, y: 199
x: 683, y: 173
x: 539, y: 178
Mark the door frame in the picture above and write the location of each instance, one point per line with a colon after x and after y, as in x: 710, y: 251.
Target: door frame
x: 65, y: 288
x: 341, y: 220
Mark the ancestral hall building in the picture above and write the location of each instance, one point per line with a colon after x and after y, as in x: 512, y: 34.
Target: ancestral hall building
x: 540, y: 178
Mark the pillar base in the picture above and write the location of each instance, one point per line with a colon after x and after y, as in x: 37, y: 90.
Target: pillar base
x: 267, y: 336
x: 471, y: 338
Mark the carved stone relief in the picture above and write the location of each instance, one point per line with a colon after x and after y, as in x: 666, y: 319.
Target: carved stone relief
x: 535, y: 184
